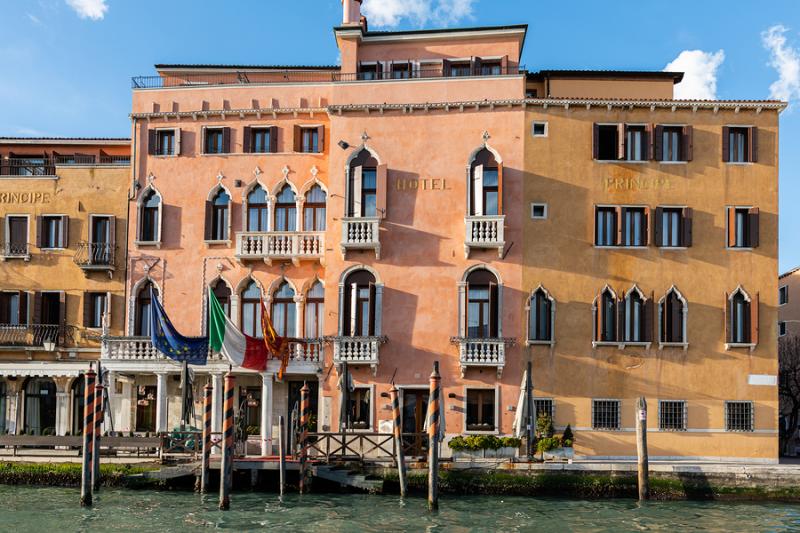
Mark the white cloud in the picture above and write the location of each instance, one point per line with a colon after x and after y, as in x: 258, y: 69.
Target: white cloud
x: 700, y: 74
x: 785, y: 60
x: 89, y: 9
x: 34, y: 18
x: 417, y: 12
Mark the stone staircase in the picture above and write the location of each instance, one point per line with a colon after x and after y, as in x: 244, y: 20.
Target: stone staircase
x: 347, y: 478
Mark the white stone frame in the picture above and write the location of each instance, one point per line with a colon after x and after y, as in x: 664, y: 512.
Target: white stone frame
x: 378, y: 298
x: 210, y: 198
x: 204, y: 305
x: 372, y: 406
x: 6, y: 232
x: 497, y: 410
x: 685, y: 320
x: 301, y: 200
x: 596, y: 309
x: 728, y: 345
x: 270, y: 203
x: 635, y: 288
x: 498, y: 159
x: 462, y: 299
x: 135, y: 294
x: 552, y: 341
x: 353, y: 155
x: 139, y: 206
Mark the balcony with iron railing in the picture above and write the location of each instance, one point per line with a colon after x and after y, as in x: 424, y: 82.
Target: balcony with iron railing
x: 478, y: 352
x: 485, y: 232
x: 44, y: 336
x: 92, y: 256
x: 265, y: 77
x: 357, y: 351
x: 22, y: 167
x: 361, y: 233
x: 281, y: 246
x: 11, y: 250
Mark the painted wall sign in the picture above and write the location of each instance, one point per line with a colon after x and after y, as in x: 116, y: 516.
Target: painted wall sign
x: 25, y: 197
x: 637, y: 184
x: 421, y: 184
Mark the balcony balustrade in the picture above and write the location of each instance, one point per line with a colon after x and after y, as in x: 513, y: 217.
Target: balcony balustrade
x: 357, y: 351
x: 92, y: 256
x: 481, y: 353
x: 12, y: 250
x: 47, y: 336
x: 21, y: 167
x: 485, y: 232
x: 281, y: 246
x: 361, y: 233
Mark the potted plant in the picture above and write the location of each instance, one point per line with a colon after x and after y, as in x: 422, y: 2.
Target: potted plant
x: 484, y: 447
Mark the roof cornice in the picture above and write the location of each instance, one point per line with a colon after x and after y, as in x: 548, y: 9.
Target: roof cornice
x: 65, y: 141
x: 232, y: 113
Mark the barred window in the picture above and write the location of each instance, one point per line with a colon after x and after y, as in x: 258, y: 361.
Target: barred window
x: 544, y: 406
x: 605, y: 414
x: 672, y: 415
x: 738, y: 416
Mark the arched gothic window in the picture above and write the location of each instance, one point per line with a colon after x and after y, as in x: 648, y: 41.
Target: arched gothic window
x: 251, y: 310
x: 314, y: 209
x: 482, y: 317
x: 149, y: 217
x: 257, y: 210
x: 285, y: 210
x: 283, y: 310
x: 143, y: 308
x: 541, y: 309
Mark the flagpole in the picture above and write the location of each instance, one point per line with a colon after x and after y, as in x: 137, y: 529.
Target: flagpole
x: 185, y: 395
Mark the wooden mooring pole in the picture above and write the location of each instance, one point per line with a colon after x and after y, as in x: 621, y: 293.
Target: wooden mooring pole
x: 398, y: 441
x: 305, y: 411
x: 98, y: 423
x: 641, y: 449
x: 226, y: 465
x: 205, y: 460
x: 433, y: 438
x: 88, y: 441
x: 282, y: 452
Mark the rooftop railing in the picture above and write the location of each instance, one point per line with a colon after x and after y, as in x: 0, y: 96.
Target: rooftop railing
x: 46, y: 166
x: 320, y: 76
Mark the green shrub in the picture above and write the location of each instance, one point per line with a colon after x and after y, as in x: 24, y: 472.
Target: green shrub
x: 546, y: 444
x: 568, y: 434
x: 544, y: 426
x: 482, y: 442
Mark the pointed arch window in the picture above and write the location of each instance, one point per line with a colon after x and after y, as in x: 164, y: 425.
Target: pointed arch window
x: 315, y: 311
x: 283, y: 310
x: 482, y: 318
x: 218, y: 216
x: 605, y: 309
x: 672, y: 318
x: 257, y: 210
x: 366, y: 187
x: 251, y: 310
x: 741, y: 322
x: 541, y: 315
x: 223, y: 294
x: 143, y: 308
x: 486, y: 185
x: 150, y: 217
x: 285, y: 210
x: 314, y: 209
x: 637, y: 317
x: 360, y: 304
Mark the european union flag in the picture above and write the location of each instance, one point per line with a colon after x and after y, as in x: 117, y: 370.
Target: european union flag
x: 167, y: 340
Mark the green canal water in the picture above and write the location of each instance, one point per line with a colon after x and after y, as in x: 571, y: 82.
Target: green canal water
x: 56, y: 510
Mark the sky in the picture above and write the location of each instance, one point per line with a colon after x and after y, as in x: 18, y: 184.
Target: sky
x: 67, y: 64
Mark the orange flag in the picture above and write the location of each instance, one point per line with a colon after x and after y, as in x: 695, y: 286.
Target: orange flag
x: 277, y: 346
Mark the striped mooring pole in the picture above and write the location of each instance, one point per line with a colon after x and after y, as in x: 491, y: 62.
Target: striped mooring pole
x: 398, y: 440
x: 88, y: 441
x: 206, y: 458
x: 226, y: 466
x: 433, y: 438
x: 98, y: 423
x: 305, y: 408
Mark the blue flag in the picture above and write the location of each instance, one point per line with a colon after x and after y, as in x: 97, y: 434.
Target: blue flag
x: 167, y: 340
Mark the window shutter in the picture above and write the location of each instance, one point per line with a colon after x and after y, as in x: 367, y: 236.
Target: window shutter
x: 677, y: 321
x: 648, y: 318
x: 357, y: 187
x: 687, y: 227
x: 38, y: 231
x: 476, y: 66
x: 726, y: 146
x: 37, y: 307
x: 727, y: 317
x: 658, y: 227
x: 753, y: 227
x: 247, y: 140
x: 298, y: 138
x: 620, y: 319
x: 621, y: 140
x: 64, y: 236
x: 658, y: 143
x: 108, y: 307
x: 381, y: 190
x: 226, y: 140
x: 731, y: 227
x: 62, y: 307
x: 87, y: 309
x: 619, y: 212
x: 688, y: 143
x: 203, y: 135
x: 499, y: 188
x: 446, y: 70
x: 599, y: 317
x: 504, y: 65
x: 595, y: 141
x: 477, y: 190
x: 321, y: 139
x: 494, y: 311
x: 273, y: 139
x: 209, y: 216
x: 752, y: 139
x: 646, y: 228
x: 152, y: 142
x: 353, y: 308
x: 372, y: 310
x: 648, y: 142
x: 112, y: 234
x: 177, y: 141
x: 754, y: 308
x: 3, y: 225
x: 22, y: 311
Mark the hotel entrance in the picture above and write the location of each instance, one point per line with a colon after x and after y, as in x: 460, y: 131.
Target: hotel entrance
x: 415, y: 409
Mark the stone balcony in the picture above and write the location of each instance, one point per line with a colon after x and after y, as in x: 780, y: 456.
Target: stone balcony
x: 481, y: 353
x: 485, y: 232
x: 280, y: 246
x: 361, y: 233
x: 358, y: 351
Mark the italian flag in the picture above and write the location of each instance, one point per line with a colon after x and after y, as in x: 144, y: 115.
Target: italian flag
x: 224, y: 337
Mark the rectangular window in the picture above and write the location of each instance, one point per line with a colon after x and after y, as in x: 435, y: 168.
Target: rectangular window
x: 606, y: 226
x: 538, y: 211
x: 783, y: 295
x: 309, y: 142
x: 360, y: 408
x: 401, y: 71
x: 605, y: 414
x: 95, y: 303
x: 672, y: 415
x: 260, y: 142
x: 672, y: 144
x: 217, y: 141
x: 461, y: 68
x: 743, y: 227
x: 544, y: 406
x: 12, y: 308
x: 634, y: 226
x: 781, y: 329
x: 739, y: 147
x: 369, y: 72
x: 16, y: 236
x: 491, y: 68
x: 671, y: 227
x: 606, y: 142
x: 636, y: 143
x: 481, y: 410
x: 165, y: 142
x: 539, y: 129
x: 369, y: 192
x: 739, y: 416
x: 51, y: 232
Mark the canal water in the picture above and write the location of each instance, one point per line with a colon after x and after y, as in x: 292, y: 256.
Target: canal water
x: 56, y: 510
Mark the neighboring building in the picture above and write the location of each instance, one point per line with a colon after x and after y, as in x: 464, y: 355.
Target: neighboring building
x: 63, y: 214
x: 429, y: 200
x: 789, y: 304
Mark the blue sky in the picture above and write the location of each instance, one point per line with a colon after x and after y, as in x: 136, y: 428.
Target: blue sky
x: 67, y: 63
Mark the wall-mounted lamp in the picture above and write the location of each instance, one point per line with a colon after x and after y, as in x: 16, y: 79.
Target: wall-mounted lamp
x: 452, y: 395
x: 344, y: 145
x: 384, y: 395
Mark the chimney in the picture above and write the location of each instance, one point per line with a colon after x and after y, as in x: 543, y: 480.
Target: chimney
x: 351, y: 12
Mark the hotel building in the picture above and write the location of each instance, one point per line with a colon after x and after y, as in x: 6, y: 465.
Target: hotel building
x: 63, y: 218
x: 431, y: 200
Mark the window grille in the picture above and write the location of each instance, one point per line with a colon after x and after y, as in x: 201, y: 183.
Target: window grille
x: 738, y: 416
x: 605, y: 414
x: 672, y: 415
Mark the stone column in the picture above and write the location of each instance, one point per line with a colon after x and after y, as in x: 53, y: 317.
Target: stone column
x: 161, y: 401
x: 266, y: 414
x: 62, y: 404
x: 271, y: 201
x: 299, y: 203
x: 216, y: 406
x: 12, y: 405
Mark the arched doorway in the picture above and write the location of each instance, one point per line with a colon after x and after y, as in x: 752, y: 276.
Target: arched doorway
x: 78, y: 401
x: 40, y: 407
